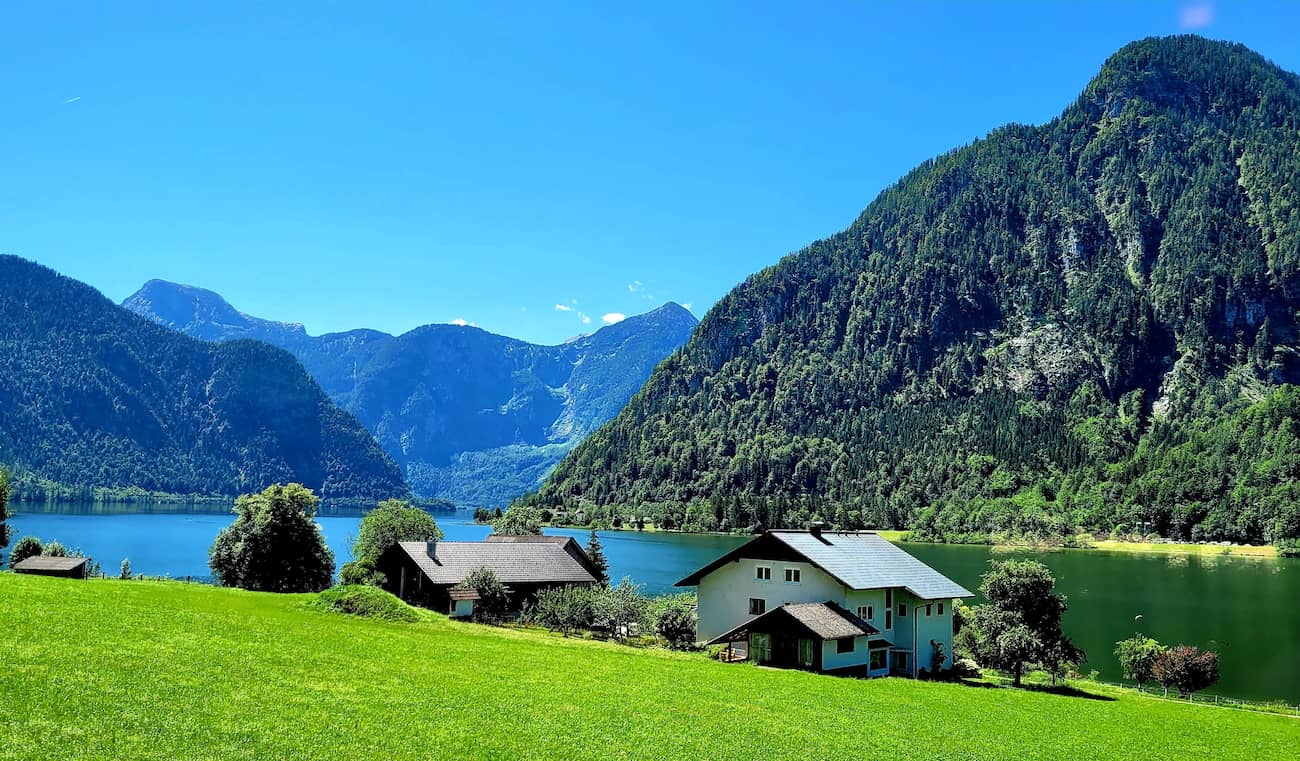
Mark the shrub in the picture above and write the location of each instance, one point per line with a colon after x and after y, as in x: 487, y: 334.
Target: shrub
x: 1187, y: 669
x: 361, y: 572
x: 676, y: 624
x: 364, y: 601
x: 493, y: 596
x: 1137, y: 656
x: 54, y: 550
x: 565, y: 609
x: 27, y: 547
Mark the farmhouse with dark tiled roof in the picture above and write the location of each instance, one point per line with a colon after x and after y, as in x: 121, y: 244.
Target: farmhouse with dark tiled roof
x: 424, y: 573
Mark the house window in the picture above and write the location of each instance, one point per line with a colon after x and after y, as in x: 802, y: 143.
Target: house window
x: 864, y: 612
x: 792, y: 575
x: 877, y: 660
x: 889, y: 598
x: 927, y: 610
x: 889, y: 619
x: 900, y: 661
x: 941, y: 609
x: 763, y: 573
x: 902, y: 610
x: 757, y: 606
x: 760, y: 646
x: 844, y: 645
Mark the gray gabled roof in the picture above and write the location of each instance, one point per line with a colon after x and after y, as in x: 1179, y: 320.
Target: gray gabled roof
x: 49, y: 563
x: 512, y: 562
x: 858, y: 559
x: 827, y: 620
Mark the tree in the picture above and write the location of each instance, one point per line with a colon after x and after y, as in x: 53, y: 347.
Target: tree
x: 676, y: 624
x: 597, y: 555
x: 27, y: 547
x: 1021, y: 624
x: 565, y: 609
x: 620, y: 608
x: 1137, y: 656
x: 518, y: 520
x: 55, y: 549
x: 274, y: 544
x: 1186, y: 668
x: 4, y: 509
x: 493, y: 596
x: 125, y: 571
x: 392, y: 521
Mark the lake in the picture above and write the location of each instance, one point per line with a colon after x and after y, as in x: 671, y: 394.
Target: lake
x: 1244, y: 608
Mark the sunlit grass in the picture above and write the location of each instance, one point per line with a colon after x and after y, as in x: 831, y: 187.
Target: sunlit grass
x: 156, y: 670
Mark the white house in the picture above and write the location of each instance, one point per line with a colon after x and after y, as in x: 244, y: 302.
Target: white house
x: 844, y: 602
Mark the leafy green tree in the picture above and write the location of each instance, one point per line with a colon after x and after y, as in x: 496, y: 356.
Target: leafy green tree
x: 1021, y: 624
x: 274, y: 544
x: 519, y: 520
x: 493, y: 596
x: 565, y: 609
x: 392, y: 521
x: 1186, y: 668
x: 27, y: 547
x: 4, y: 509
x: 55, y: 549
x: 676, y: 624
x: 124, y: 572
x: 1137, y: 657
x: 363, y: 573
x: 621, y: 609
x: 597, y: 555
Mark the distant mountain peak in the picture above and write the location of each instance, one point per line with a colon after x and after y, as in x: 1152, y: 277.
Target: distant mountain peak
x: 202, y: 313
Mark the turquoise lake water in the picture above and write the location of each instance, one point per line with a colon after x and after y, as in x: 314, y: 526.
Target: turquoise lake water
x: 1248, y: 609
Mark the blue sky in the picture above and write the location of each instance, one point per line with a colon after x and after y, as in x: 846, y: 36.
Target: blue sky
x: 518, y: 166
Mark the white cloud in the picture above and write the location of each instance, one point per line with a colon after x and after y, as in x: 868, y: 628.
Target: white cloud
x: 585, y: 319
x: 636, y: 286
x: 612, y: 318
x: 563, y: 308
x: 687, y: 306
x: 72, y: 100
x: 461, y: 321
x: 1196, y: 15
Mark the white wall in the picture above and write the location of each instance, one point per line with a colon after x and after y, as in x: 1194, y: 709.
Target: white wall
x: 831, y: 659
x: 724, y: 594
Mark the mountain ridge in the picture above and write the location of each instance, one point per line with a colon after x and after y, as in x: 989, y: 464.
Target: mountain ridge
x: 98, y: 397
x: 1001, y: 335
x: 470, y: 415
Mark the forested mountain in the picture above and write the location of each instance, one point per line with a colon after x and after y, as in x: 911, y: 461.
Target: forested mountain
x: 92, y: 395
x: 1090, y: 323
x: 470, y: 416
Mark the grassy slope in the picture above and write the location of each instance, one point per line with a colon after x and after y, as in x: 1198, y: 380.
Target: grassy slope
x: 117, y: 670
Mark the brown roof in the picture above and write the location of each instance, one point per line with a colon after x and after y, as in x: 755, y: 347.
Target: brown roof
x: 48, y: 563
x: 827, y: 620
x: 569, y: 544
x: 528, y: 562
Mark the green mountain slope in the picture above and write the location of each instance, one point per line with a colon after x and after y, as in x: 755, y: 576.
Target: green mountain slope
x: 94, y: 396
x: 1037, y: 305
x: 470, y: 416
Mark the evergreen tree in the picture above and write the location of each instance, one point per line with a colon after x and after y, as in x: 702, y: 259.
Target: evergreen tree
x: 597, y: 555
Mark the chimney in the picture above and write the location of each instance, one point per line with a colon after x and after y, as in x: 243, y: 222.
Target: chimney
x: 815, y: 528
x: 431, y: 547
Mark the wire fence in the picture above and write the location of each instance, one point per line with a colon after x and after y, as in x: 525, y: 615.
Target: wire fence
x: 1282, y: 708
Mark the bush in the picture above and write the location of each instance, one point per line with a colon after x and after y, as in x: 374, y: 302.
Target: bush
x: 364, y: 601
x: 361, y: 572
x: 1137, y: 657
x: 54, y: 550
x: 1187, y: 669
x: 493, y: 596
x: 676, y: 624
x: 564, y: 609
x: 27, y: 547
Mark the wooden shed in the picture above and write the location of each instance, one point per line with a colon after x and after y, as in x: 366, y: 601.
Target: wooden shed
x: 44, y: 565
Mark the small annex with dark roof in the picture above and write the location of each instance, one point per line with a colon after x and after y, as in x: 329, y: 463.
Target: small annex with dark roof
x: 819, y: 636
x: 424, y: 573
x: 45, y: 565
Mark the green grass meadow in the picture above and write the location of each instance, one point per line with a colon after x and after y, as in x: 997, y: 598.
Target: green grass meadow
x: 160, y: 670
